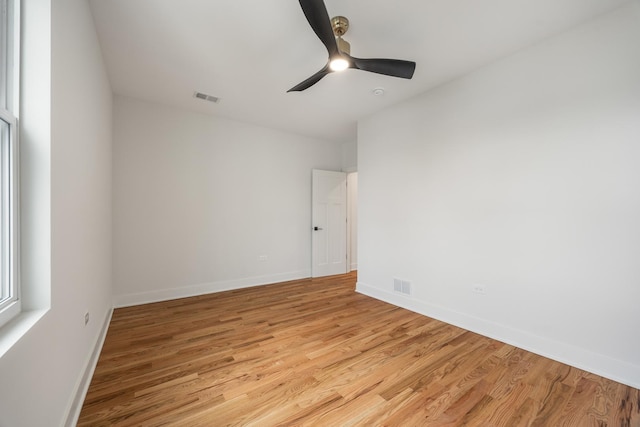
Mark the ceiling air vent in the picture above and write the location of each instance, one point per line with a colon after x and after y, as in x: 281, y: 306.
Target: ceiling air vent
x: 206, y: 97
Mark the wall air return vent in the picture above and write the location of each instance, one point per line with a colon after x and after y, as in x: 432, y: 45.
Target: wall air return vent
x: 206, y: 97
x: 402, y: 286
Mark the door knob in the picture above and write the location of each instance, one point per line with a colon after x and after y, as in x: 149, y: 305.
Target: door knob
x: 317, y: 228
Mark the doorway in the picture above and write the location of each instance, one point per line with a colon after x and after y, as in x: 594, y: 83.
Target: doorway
x: 334, y: 223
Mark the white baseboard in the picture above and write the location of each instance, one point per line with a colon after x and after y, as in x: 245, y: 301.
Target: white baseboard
x: 599, y: 364
x: 126, y: 300
x: 83, y: 386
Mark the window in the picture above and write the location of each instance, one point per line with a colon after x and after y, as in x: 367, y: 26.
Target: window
x: 9, y: 283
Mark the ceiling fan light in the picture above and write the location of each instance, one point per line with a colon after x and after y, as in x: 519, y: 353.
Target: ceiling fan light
x: 338, y: 64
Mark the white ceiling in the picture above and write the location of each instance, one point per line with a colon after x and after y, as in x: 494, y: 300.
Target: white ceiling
x: 249, y: 53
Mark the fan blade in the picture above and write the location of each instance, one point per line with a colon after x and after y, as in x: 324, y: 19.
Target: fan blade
x: 311, y: 80
x: 389, y: 67
x: 318, y: 17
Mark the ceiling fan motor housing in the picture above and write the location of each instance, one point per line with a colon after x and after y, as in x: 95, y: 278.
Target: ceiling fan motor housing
x: 343, y: 46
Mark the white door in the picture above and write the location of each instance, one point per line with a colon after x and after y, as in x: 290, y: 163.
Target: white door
x: 328, y: 223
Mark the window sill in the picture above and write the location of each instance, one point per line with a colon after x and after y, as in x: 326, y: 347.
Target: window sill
x: 17, y: 328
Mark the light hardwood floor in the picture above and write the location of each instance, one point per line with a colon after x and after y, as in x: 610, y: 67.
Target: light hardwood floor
x: 314, y: 352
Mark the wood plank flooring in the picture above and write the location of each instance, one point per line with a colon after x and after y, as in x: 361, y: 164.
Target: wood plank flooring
x: 314, y: 352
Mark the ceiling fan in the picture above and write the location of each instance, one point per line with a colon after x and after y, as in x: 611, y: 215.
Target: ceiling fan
x: 330, y: 32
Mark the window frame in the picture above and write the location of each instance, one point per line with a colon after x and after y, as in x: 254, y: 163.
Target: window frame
x: 10, y: 301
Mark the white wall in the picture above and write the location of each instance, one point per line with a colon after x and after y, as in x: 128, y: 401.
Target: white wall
x: 352, y: 215
x: 521, y: 177
x: 43, y: 372
x: 350, y: 156
x: 197, y: 200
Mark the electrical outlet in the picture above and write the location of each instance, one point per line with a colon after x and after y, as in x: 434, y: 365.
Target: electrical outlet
x: 479, y: 289
x: 86, y: 318
x: 262, y: 258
